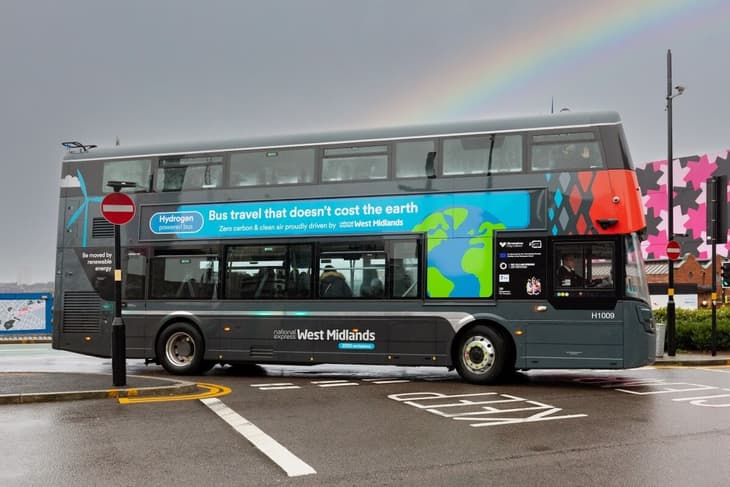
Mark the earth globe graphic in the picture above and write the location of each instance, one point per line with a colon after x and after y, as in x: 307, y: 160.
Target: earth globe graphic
x: 460, y: 242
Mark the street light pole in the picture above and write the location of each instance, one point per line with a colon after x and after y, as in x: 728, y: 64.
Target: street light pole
x: 671, y: 317
x: 671, y: 340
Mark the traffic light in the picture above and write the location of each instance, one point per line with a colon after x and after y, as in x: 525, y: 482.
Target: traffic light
x: 725, y: 274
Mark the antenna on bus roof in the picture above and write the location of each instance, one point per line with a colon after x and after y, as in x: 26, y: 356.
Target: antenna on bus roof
x: 77, y: 147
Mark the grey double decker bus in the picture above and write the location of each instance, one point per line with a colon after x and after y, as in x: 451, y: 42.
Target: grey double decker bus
x: 483, y: 246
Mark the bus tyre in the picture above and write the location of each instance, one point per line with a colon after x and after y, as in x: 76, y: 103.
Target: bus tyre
x: 481, y: 355
x: 180, y: 350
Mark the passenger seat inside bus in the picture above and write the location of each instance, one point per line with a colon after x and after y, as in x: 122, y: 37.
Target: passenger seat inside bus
x: 372, y: 286
x: 265, y: 286
x: 303, y: 284
x: 187, y: 289
x: 373, y: 289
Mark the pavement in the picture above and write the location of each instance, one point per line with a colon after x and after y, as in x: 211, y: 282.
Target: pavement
x: 694, y: 359
x: 29, y: 387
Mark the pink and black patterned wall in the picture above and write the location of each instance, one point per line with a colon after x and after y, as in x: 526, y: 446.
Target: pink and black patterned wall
x: 690, y: 217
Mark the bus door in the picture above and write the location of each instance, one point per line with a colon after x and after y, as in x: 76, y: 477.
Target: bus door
x: 583, y: 327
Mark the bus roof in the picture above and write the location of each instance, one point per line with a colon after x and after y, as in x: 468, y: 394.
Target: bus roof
x: 540, y: 122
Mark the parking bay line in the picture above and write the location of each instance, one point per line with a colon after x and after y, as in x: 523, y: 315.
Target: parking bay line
x: 290, y: 463
x: 275, y: 386
x: 334, y: 383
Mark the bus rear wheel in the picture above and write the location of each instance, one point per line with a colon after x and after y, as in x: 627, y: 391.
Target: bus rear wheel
x: 481, y: 355
x: 180, y: 350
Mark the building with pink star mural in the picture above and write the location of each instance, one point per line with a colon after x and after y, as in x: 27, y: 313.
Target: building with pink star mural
x: 690, y: 203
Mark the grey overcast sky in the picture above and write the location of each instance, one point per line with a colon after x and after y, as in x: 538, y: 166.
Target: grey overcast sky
x: 150, y: 71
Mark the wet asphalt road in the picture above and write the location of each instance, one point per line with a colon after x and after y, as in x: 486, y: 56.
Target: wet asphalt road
x: 378, y: 426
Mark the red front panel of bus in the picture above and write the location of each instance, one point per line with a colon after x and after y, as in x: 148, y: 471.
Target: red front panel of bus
x: 595, y: 203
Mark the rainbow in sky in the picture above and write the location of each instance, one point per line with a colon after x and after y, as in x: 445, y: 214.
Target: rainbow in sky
x: 475, y: 78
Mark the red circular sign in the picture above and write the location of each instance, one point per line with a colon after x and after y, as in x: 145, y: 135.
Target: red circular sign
x: 117, y: 208
x: 673, y: 250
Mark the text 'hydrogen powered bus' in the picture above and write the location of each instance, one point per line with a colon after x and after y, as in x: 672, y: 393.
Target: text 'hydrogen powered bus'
x: 432, y: 245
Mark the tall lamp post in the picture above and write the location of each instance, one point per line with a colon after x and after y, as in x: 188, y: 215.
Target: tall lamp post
x: 671, y: 326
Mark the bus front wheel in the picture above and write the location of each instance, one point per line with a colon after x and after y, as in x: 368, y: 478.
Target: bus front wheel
x: 481, y: 355
x: 180, y: 350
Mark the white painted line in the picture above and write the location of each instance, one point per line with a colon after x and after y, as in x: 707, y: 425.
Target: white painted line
x: 700, y: 397
x: 334, y: 383
x: 723, y: 371
x: 385, y: 380
x: 290, y: 463
x: 275, y: 386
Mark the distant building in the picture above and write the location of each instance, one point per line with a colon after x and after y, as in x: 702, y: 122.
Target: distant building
x: 692, y: 282
x: 38, y: 287
x: 690, y: 212
x: 692, y: 273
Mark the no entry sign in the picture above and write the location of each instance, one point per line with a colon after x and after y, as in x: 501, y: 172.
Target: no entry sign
x: 673, y: 250
x: 117, y: 208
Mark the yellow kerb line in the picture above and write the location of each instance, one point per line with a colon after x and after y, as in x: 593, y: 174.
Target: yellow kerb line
x: 213, y: 390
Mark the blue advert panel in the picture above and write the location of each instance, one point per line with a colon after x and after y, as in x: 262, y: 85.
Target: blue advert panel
x: 25, y: 313
x: 450, y: 215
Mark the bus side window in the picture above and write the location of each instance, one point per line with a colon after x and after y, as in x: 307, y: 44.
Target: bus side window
x: 542, y: 158
x: 585, y: 266
x: 410, y: 158
x: 134, y: 278
x: 403, y: 268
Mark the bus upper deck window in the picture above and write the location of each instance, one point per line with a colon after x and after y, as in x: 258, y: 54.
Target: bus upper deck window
x: 483, y: 154
x: 566, y: 151
x: 272, y: 167
x: 355, y: 163
x: 189, y: 173
x: 411, y: 157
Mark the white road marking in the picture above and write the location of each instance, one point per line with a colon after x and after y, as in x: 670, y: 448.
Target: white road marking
x: 723, y: 371
x: 386, y: 381
x: 334, y: 383
x: 275, y: 386
x: 706, y: 401
x: 290, y: 463
x: 484, y: 408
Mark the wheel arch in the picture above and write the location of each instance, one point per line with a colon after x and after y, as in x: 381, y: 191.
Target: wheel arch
x: 492, y: 321
x: 171, y: 320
